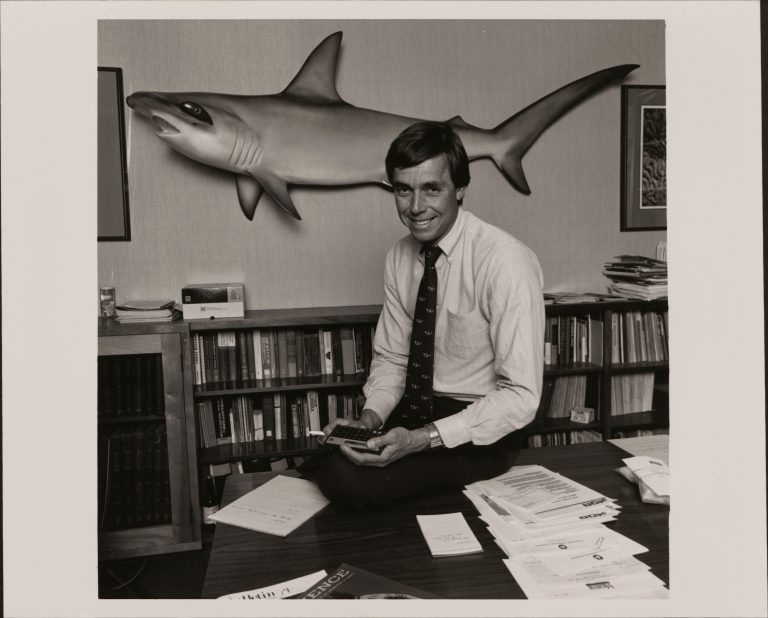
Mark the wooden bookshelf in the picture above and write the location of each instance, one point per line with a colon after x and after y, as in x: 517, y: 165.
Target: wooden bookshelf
x: 599, y: 375
x: 140, y: 486
x: 223, y: 395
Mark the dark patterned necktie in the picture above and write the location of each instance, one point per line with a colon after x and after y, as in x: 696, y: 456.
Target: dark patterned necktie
x: 417, y: 404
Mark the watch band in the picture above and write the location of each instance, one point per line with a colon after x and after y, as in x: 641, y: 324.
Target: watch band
x: 434, y: 436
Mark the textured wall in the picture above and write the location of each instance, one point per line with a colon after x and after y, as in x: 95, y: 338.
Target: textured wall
x: 186, y: 222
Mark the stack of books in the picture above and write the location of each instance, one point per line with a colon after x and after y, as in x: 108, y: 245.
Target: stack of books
x: 551, y: 527
x: 637, y: 277
x: 569, y: 298
x: 132, y: 311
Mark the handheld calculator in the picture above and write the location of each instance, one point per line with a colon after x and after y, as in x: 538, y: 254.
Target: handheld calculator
x: 354, y: 437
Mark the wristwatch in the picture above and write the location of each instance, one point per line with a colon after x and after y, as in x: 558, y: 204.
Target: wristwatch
x: 434, y: 436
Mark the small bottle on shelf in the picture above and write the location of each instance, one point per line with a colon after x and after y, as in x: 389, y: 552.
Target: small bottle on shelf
x: 210, y: 499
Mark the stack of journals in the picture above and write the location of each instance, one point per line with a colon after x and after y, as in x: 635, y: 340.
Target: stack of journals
x: 568, y: 298
x: 551, y: 529
x: 148, y: 311
x: 637, y: 277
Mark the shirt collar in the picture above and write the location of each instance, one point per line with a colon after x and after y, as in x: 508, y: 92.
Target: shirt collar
x: 451, y: 239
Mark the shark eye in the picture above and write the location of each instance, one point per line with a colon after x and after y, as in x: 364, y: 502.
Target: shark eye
x: 196, y: 111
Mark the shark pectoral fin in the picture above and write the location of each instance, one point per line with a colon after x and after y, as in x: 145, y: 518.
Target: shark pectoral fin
x: 248, y: 191
x: 278, y: 191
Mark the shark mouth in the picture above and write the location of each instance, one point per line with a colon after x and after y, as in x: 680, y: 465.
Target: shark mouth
x: 164, y: 126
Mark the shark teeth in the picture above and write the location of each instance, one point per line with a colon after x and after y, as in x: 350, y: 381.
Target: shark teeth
x: 164, y: 125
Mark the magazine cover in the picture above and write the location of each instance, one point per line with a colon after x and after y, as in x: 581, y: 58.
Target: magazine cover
x: 349, y: 582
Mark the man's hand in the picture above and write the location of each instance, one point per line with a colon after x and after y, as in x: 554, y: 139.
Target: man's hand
x: 397, y: 443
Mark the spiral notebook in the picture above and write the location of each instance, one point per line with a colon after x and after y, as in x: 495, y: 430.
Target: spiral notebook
x: 448, y: 535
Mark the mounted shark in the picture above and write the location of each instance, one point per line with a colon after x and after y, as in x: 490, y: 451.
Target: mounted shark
x: 308, y: 135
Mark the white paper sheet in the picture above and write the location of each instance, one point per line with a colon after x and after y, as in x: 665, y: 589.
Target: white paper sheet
x: 576, y: 540
x: 278, y: 507
x: 626, y: 578
x: 448, y: 535
x: 651, y: 446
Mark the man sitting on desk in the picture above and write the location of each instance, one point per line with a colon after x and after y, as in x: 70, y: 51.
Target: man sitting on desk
x: 457, y: 364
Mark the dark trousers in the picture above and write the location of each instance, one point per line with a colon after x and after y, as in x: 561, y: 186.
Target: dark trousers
x: 432, y: 471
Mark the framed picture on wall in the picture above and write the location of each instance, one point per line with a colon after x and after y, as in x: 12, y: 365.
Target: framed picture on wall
x: 113, y: 221
x: 643, y: 158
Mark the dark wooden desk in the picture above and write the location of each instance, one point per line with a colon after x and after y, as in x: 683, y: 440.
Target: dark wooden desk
x: 389, y: 542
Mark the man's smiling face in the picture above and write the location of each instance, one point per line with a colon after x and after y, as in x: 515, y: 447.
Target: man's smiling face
x: 426, y: 198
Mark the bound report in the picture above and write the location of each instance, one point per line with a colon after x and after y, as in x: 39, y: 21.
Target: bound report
x: 448, y: 535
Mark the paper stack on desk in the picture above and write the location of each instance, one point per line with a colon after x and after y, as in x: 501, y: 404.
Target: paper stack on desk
x: 551, y: 529
x: 651, y: 475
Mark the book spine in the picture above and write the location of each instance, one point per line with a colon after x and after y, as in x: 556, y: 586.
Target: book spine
x: 279, y: 417
x: 290, y: 354
x: 311, y: 355
x: 245, y: 353
x: 266, y: 355
x: 295, y: 419
x: 258, y: 423
x: 234, y: 370
x: 282, y: 353
x: 327, y: 352
x: 336, y: 354
x: 299, y: 354
x: 223, y: 356
x: 313, y: 403
x: 268, y: 416
x: 357, y: 337
x: 258, y: 367
x: 347, y: 350
x: 215, y: 359
x: 196, y: 358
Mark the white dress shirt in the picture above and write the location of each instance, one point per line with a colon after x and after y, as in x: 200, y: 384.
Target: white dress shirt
x: 489, y: 336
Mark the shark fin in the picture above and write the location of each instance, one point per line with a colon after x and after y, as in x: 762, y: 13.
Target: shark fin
x: 248, y: 191
x: 457, y: 122
x: 316, y: 80
x: 517, y: 134
x: 278, y: 191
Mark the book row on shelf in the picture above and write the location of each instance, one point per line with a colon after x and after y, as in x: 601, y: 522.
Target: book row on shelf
x: 130, y: 385
x: 636, y: 336
x: 639, y: 336
x: 134, y: 480
x: 573, y: 339
x: 266, y: 354
x: 562, y: 394
x: 562, y: 438
x: 279, y: 416
x: 632, y: 392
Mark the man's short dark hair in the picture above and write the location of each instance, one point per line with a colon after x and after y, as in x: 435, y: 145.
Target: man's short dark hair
x: 425, y: 140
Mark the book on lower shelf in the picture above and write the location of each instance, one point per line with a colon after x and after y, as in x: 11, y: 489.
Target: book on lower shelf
x: 632, y: 392
x: 351, y: 582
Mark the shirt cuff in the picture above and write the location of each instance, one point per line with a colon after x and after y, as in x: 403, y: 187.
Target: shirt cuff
x: 381, y: 403
x: 453, y: 430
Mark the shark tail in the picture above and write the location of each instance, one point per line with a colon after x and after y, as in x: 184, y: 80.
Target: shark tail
x: 519, y: 132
